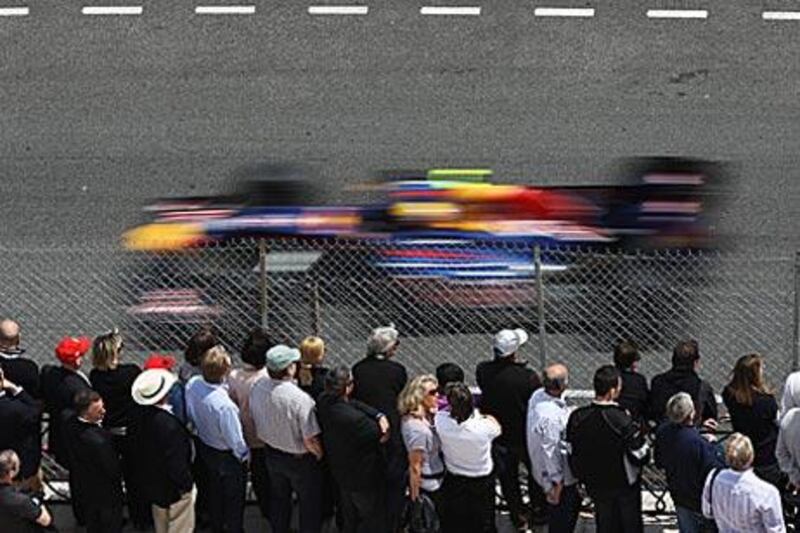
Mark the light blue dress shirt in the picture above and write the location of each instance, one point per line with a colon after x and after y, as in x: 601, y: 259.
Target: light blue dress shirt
x: 214, y: 417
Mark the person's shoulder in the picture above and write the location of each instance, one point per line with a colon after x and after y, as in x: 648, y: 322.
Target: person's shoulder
x: 129, y: 369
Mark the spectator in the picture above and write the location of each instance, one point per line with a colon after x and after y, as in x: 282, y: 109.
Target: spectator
x: 166, y: 446
x: 687, y: 458
x: 21, y: 370
x: 19, y: 431
x: 736, y: 498
x: 787, y: 449
x: 59, y: 387
x: 467, y: 501
x: 240, y: 382
x: 378, y: 381
x: 311, y: 375
x: 417, y: 407
x: 19, y: 512
x: 682, y: 377
x: 791, y: 392
x: 285, y: 420
x: 221, y: 447
x: 635, y: 394
x: 113, y: 380
x: 175, y: 397
x: 547, y: 423
x: 754, y: 413
x: 447, y: 373
x: 607, y: 452
x: 199, y: 343
x: 352, y: 433
x: 506, y: 386
x: 95, y: 474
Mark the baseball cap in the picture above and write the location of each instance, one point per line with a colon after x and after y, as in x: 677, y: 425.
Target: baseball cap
x: 165, y: 362
x: 508, y: 341
x: 281, y: 356
x: 152, y: 385
x: 70, y: 349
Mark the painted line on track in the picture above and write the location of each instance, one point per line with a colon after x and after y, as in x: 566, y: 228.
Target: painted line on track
x: 450, y: 10
x: 14, y: 11
x: 781, y: 15
x: 112, y: 10
x: 563, y: 12
x: 677, y: 14
x: 338, y: 10
x: 225, y: 10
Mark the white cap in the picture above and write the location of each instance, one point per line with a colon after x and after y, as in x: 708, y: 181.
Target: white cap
x: 152, y: 385
x: 508, y: 341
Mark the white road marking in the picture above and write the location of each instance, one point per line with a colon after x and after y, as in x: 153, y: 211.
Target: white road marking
x: 781, y: 15
x: 450, y: 10
x: 563, y: 12
x: 338, y: 10
x: 677, y: 13
x: 14, y: 11
x: 225, y: 10
x: 112, y: 10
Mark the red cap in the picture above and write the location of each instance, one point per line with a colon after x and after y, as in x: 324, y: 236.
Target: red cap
x: 70, y: 349
x: 167, y: 362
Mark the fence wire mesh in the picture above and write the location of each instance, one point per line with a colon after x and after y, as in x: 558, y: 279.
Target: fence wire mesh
x: 446, y: 308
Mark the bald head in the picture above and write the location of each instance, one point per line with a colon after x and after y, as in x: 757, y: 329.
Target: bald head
x: 555, y: 378
x: 9, y: 334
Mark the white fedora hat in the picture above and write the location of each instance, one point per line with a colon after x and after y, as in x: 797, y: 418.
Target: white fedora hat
x: 152, y: 385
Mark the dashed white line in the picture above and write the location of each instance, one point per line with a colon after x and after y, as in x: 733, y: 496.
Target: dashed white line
x: 563, y: 12
x: 338, y: 10
x: 450, y: 10
x: 677, y: 13
x: 781, y: 15
x: 14, y: 11
x: 225, y: 10
x: 112, y: 10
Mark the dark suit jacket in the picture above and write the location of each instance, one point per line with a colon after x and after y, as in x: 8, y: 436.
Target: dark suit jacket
x: 19, y: 430
x: 164, y: 456
x: 21, y: 371
x: 378, y: 382
x: 95, y: 474
x: 59, y: 386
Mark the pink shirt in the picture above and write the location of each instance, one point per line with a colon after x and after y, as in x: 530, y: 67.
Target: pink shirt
x: 240, y: 381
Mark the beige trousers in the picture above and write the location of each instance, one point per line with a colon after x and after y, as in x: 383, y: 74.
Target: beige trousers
x: 179, y: 518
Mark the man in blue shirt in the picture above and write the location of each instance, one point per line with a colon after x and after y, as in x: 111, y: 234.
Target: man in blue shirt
x: 687, y: 458
x: 221, y: 445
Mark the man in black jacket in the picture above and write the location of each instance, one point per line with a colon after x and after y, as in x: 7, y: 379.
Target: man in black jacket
x: 21, y: 370
x: 164, y: 449
x: 635, y: 394
x: 95, y: 474
x: 352, y: 434
x: 606, y: 453
x: 682, y: 377
x: 506, y: 386
x: 378, y: 380
x: 19, y: 431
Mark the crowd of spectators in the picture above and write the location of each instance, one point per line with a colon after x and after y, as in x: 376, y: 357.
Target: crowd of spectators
x: 171, y: 447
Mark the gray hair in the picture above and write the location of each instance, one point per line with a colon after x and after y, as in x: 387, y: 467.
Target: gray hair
x: 382, y: 339
x: 739, y: 452
x: 337, y: 380
x: 9, y: 462
x: 680, y: 407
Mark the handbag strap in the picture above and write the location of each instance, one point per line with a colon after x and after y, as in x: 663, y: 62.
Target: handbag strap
x: 714, y: 475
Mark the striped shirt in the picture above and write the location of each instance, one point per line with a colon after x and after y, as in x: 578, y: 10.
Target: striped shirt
x: 742, y: 502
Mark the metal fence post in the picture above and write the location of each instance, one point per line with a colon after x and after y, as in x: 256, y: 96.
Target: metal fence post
x: 537, y: 258
x: 796, y: 332
x: 315, y: 309
x: 263, y: 287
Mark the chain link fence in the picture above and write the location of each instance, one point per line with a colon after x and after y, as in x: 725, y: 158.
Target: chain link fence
x: 447, y: 299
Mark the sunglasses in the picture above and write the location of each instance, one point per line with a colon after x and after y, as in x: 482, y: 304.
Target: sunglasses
x: 432, y: 392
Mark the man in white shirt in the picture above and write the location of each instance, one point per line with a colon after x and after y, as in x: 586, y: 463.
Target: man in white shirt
x: 546, y: 425
x: 736, y: 499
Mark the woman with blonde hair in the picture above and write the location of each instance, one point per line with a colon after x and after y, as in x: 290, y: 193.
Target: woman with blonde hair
x: 311, y: 374
x: 417, y: 405
x: 754, y: 413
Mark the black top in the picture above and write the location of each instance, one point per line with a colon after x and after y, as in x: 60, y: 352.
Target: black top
x: 635, y: 395
x: 95, y: 475
x: 164, y: 453
x: 378, y: 382
x: 59, y: 386
x: 21, y: 371
x: 114, y: 386
x: 19, y: 430
x: 351, y: 437
x: 602, y: 436
x: 317, y: 385
x: 675, y: 380
x: 506, y: 386
x: 757, y: 421
x: 18, y: 511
